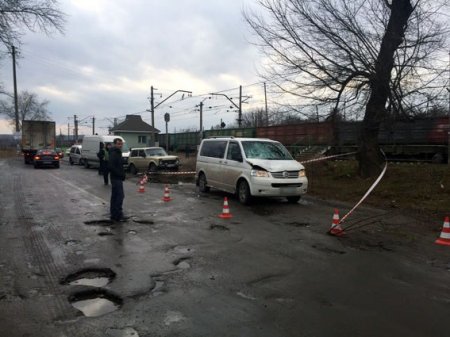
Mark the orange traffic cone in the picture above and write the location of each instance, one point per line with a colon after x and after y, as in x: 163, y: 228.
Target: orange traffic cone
x: 141, y: 187
x: 336, y: 228
x: 226, y: 210
x: 444, y: 239
x: 166, y: 197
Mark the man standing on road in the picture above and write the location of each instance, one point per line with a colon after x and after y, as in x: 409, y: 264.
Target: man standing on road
x: 103, y: 156
x: 117, y: 175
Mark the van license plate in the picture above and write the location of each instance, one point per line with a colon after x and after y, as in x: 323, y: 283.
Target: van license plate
x: 288, y: 190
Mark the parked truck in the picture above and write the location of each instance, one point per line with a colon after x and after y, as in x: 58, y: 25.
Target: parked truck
x: 37, y: 135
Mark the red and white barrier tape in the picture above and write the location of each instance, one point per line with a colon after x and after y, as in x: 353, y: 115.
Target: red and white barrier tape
x: 367, y: 193
x: 172, y: 173
x: 327, y: 157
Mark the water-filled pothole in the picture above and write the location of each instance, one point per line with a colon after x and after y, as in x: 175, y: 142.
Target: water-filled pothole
x: 72, y: 242
x: 132, y: 232
x: 92, y: 277
x: 182, y: 262
x: 218, y: 227
x: 126, y: 332
x: 144, y: 221
x: 95, y: 302
x: 105, y: 234
x: 101, y: 222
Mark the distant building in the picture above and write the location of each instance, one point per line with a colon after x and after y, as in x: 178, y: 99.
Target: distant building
x: 135, y: 131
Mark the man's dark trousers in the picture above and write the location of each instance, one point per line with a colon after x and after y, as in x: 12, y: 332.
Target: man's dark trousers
x: 117, y: 197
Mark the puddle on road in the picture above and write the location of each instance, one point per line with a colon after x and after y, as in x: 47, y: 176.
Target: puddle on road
x: 132, y: 232
x: 101, y: 222
x: 95, y: 303
x: 126, y: 332
x: 92, y: 277
x: 91, y: 282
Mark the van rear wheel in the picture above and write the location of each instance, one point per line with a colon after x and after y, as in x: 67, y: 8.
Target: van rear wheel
x: 243, y: 192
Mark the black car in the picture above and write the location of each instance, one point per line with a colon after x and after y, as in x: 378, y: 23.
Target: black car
x: 46, y: 158
x: 60, y: 153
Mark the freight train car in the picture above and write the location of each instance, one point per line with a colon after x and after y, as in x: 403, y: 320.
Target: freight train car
x: 413, y: 139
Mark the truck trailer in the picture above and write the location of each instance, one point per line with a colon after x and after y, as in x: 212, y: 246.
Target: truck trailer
x: 37, y: 135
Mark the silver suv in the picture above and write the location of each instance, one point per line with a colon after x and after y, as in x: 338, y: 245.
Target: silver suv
x: 151, y: 159
x: 249, y: 167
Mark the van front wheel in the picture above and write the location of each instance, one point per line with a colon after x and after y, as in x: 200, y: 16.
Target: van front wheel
x: 243, y: 192
x: 202, y: 184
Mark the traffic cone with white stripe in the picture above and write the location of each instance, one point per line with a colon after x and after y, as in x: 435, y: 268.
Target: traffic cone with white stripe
x: 444, y: 239
x: 226, y: 210
x: 166, y: 197
x: 141, y: 187
x: 336, y: 228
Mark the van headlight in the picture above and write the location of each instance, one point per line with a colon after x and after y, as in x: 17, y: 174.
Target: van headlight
x: 259, y: 173
x: 302, y: 173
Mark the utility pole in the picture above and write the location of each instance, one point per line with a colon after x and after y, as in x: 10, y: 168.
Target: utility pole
x: 153, y: 106
x: 265, y: 99
x: 93, y: 125
x: 201, y: 119
x: 16, y: 105
x: 152, y: 110
x: 76, y: 128
x: 240, y: 106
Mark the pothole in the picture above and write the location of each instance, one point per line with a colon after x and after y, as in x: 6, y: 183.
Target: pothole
x: 92, y: 277
x: 297, y: 224
x: 182, y: 262
x: 72, y: 242
x: 144, y: 221
x: 95, y: 302
x: 101, y: 222
x: 105, y: 234
x: 132, y: 232
x: 125, y: 332
x: 218, y: 227
x: 182, y: 250
x: 328, y: 249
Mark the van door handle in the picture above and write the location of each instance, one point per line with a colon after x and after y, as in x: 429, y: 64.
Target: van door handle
x: 225, y: 162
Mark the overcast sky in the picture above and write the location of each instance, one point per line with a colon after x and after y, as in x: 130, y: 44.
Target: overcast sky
x: 113, y: 51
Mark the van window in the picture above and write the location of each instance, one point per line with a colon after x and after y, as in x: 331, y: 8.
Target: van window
x: 141, y: 153
x: 215, y: 149
x: 265, y: 150
x: 234, y: 152
x: 134, y: 153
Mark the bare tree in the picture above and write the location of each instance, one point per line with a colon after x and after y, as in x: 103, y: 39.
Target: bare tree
x: 16, y: 16
x: 30, y: 108
x: 377, y: 55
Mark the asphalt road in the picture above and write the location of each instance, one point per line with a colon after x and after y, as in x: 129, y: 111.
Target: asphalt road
x: 176, y: 269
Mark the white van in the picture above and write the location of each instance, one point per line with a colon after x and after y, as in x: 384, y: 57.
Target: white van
x: 91, y: 146
x: 249, y: 167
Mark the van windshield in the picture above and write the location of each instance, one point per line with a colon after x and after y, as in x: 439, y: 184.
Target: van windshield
x: 265, y: 150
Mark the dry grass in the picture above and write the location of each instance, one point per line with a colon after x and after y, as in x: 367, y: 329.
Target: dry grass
x: 7, y: 153
x: 416, y: 187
